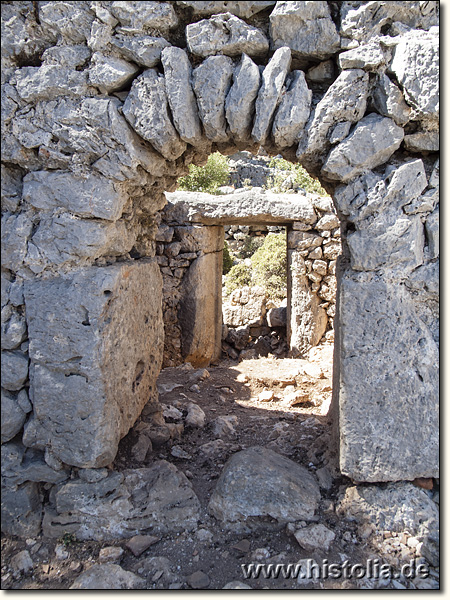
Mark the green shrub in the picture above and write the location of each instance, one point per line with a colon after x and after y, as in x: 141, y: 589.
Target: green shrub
x: 269, y: 266
x: 301, y: 177
x: 227, y: 259
x: 250, y: 245
x: 208, y: 178
x: 238, y: 276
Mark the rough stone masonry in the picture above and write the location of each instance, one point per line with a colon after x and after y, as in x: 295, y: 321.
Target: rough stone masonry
x: 104, y: 105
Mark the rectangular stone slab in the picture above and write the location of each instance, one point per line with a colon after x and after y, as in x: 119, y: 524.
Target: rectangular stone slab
x: 96, y: 341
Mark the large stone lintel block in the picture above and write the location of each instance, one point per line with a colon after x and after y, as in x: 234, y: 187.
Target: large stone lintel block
x: 96, y: 342
x: 388, y: 383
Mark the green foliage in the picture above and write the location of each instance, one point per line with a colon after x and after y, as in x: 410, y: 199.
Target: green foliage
x: 250, y: 245
x: 238, y: 276
x: 269, y: 266
x: 68, y: 539
x: 227, y: 259
x: 208, y: 178
x: 301, y: 177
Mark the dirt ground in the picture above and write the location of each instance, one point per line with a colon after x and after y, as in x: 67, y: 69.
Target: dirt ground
x: 301, y: 432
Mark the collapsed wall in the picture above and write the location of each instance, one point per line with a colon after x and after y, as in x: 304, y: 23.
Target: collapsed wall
x: 102, y: 111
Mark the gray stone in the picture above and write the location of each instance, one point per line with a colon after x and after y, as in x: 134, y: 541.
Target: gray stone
x: 21, y: 563
x: 340, y: 132
x: 211, y: 82
x: 371, y: 144
x: 11, y: 182
x: 21, y: 465
x: 424, y: 141
x: 382, y: 439
x: 416, y: 67
x: 110, y: 74
x: 256, y: 484
x: 224, y: 426
x: 146, y: 109
x: 306, y: 27
x: 16, y: 231
x: 345, y: 100
x: 143, y: 50
x: 66, y: 56
x: 324, y: 478
x: 142, y: 16
x: 246, y: 307
x: 158, y: 499
x: 140, y: 543
x: 198, y: 580
x: 315, y: 537
x: 389, y: 101
x: 13, y: 417
x: 14, y: 370
x: 177, y: 73
x: 21, y: 512
x: 432, y: 233
x: 225, y: 34
x: 269, y: 95
x: 92, y: 475
x: 293, y: 112
x: 108, y: 577
x: 195, y: 416
x: 276, y: 317
x: 327, y: 223
x: 72, y: 21
x: 13, y: 329
x: 110, y: 554
x: 368, y: 57
x: 434, y: 177
x: 240, y: 101
x: 108, y: 304
x: 49, y: 82
x: 236, y: 585
x: 24, y: 402
x: 240, y: 9
x: 322, y: 72
x: 85, y: 196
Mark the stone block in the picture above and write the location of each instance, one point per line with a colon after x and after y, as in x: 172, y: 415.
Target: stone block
x: 143, y: 50
x: 110, y: 74
x: 240, y: 101
x: 88, y: 382
x: 21, y: 510
x: 14, y: 370
x: 142, y: 16
x: 13, y: 417
x: 293, y: 112
x: 16, y: 231
x: 50, y: 82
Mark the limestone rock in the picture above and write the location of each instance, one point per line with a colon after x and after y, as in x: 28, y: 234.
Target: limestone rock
x: 198, y: 580
x: 21, y: 563
x: 13, y: 329
x: 110, y: 74
x: 276, y: 317
x: 21, y: 512
x: 426, y: 141
x: 142, y: 16
x: 236, y: 585
x: 340, y: 132
x: 240, y: 101
x: 16, y: 231
x: 21, y: 465
x: 258, y: 483
x: 306, y: 27
x: 177, y: 73
x: 13, y: 417
x: 327, y: 223
x: 322, y: 72
x: 269, y: 94
x: 72, y: 21
x: 140, y: 543
x: 378, y: 364
x: 110, y: 554
x: 111, y: 304
x: 224, y: 426
x: 371, y: 144
x: 11, y: 188
x: 432, y: 232
x: 211, y: 82
x: 195, y: 416
x: 293, y: 112
x: 146, y: 109
x: 225, y: 34
x: 158, y: 499
x: 66, y: 56
x: 389, y: 101
x: 243, y: 10
x: 14, y: 370
x: 315, y: 537
x: 108, y: 577
x: 49, y: 82
x: 368, y: 57
x: 143, y: 50
x: 345, y: 100
x: 247, y: 306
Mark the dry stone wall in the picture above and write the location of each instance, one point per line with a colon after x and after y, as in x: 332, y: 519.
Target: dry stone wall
x: 104, y: 106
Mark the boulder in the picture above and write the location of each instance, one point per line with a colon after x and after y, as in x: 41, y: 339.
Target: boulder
x: 146, y: 109
x: 144, y: 16
x: 13, y: 417
x: 13, y: 329
x: 108, y: 577
x: 110, y: 74
x: 293, y: 112
x: 423, y: 141
x: 368, y: 57
x: 109, y: 382
x: 66, y: 56
x: 16, y: 231
x: 240, y: 101
x: 211, y: 82
x: 21, y: 510
x: 14, y: 370
x: 142, y: 50
x: 72, y: 22
x: 389, y: 101
x: 49, y: 82
x: 247, y: 306
x: 225, y: 34
x: 258, y: 484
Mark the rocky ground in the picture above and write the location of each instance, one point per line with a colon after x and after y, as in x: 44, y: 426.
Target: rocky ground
x: 281, y: 405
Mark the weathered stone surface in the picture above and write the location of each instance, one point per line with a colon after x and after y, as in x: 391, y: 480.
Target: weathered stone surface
x: 389, y: 101
x: 21, y: 563
x: 146, y: 109
x: 72, y: 21
x: 198, y: 580
x: 269, y: 95
x: 240, y: 101
x: 322, y: 72
x: 14, y: 370
x: 143, y: 50
x: 16, y: 231
x: 378, y: 364
x: 158, y: 499
x: 21, y: 512
x: 140, y: 543
x: 49, y: 82
x: 306, y: 27
x: 20, y: 465
x: 315, y: 537
x: 371, y: 144
x: 398, y: 507
x: 211, y: 81
x: 200, y: 309
x: 426, y: 141
x: 432, y: 233
x: 293, y: 112
x: 177, y: 73
x: 345, y: 100
x: 142, y: 16
x: 276, y: 317
x: 416, y: 67
x: 258, y: 483
x: 13, y: 417
x: 247, y: 306
x: 240, y: 9
x: 225, y: 34
x: 11, y: 186
x: 110, y: 74
x: 88, y: 196
x: 108, y: 577
x: 99, y: 310
x: 368, y: 57
x: 13, y: 329
x: 66, y: 56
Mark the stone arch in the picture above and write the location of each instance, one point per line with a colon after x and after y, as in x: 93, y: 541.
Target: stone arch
x: 100, y: 119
